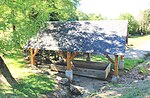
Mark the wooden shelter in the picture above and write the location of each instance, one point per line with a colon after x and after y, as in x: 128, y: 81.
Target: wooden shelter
x: 105, y: 36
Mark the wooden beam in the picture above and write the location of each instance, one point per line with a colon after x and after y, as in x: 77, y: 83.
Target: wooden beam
x: 116, y: 65
x: 68, y: 58
x: 109, y: 58
x: 35, y: 52
x: 72, y: 56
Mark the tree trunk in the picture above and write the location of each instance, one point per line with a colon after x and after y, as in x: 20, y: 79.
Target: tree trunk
x: 6, y: 73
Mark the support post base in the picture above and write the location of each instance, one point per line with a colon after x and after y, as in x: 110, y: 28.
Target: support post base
x: 114, y: 79
x: 121, y: 64
x: 69, y: 74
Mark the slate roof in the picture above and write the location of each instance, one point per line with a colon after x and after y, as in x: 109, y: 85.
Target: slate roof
x: 105, y: 36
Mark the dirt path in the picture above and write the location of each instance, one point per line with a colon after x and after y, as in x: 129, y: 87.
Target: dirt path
x: 138, y: 52
x: 132, y: 84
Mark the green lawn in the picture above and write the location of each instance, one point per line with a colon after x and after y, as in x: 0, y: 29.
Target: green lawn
x: 29, y: 85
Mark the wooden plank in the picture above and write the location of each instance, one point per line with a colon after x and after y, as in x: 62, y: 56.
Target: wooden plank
x: 116, y: 65
x: 90, y: 65
x: 94, y: 73
x: 85, y: 64
x: 107, y: 70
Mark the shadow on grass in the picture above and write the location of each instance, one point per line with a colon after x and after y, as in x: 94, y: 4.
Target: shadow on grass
x: 32, y: 87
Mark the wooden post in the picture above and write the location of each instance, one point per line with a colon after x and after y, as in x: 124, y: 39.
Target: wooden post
x: 127, y: 41
x: 116, y: 65
x: 68, y: 60
x: 121, y: 62
x: 32, y: 55
x: 88, y: 57
x: 121, y: 57
x: 68, y: 71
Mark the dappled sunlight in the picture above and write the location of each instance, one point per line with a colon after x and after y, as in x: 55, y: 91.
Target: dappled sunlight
x: 30, y: 86
x: 17, y: 67
x: 34, y: 85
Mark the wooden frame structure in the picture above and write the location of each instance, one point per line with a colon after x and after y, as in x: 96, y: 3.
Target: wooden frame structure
x: 70, y: 56
x: 101, y: 42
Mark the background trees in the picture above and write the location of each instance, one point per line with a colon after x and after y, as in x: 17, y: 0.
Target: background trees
x: 83, y: 16
x: 133, y: 24
x: 21, y: 19
x: 145, y: 21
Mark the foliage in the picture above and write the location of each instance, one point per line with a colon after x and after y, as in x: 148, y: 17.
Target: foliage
x: 145, y: 21
x: 132, y: 23
x: 83, y: 16
x: 25, y: 18
x: 95, y: 17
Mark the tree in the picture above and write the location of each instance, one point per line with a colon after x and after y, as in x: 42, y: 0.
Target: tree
x: 83, y: 16
x: 95, y: 17
x: 132, y: 23
x: 145, y: 21
x: 6, y: 73
x: 24, y: 18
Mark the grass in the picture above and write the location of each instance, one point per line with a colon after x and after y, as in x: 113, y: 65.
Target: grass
x: 94, y: 58
x: 29, y: 84
x: 131, y: 63
x: 138, y: 90
x: 143, y: 70
x: 128, y: 63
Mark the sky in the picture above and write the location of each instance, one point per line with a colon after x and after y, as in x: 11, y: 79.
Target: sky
x: 113, y: 8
